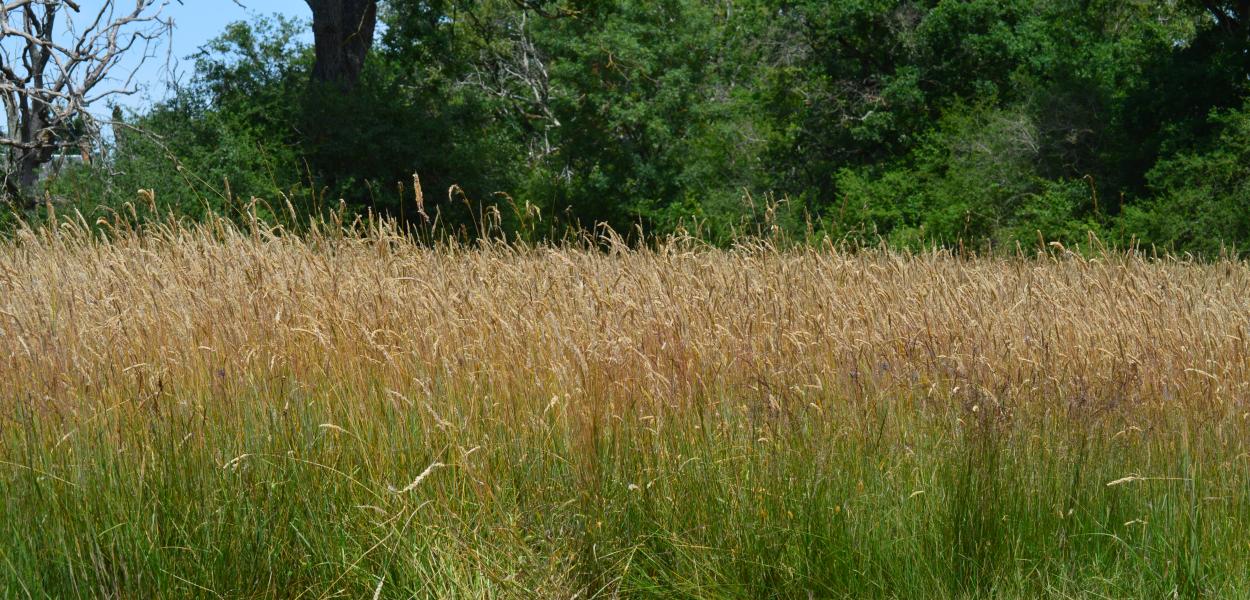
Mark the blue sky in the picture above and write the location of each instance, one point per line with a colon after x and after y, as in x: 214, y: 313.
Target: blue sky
x: 196, y: 22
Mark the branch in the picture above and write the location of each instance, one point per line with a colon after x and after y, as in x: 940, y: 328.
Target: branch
x: 1226, y: 20
x: 64, y: 70
x: 540, y: 8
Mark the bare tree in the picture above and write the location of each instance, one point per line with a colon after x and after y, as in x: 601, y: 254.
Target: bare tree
x: 513, y: 69
x: 57, y: 61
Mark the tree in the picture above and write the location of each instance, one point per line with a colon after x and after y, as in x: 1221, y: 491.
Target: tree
x: 342, y: 36
x: 1231, y: 16
x: 52, y: 70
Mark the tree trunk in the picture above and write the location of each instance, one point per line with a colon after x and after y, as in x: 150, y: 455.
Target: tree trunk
x: 342, y: 36
x: 24, y: 163
x: 23, y: 178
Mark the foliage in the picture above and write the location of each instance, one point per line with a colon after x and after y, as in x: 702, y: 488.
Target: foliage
x: 216, y: 143
x: 977, y: 125
x: 1202, y: 200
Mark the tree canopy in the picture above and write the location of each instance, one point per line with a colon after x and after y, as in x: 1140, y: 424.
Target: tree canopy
x: 977, y: 123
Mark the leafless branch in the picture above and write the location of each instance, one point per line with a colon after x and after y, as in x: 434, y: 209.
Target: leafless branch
x: 54, y: 65
x: 513, y: 69
x: 544, y: 8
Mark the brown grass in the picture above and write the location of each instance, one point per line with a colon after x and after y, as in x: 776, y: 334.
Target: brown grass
x: 267, y: 415
x: 668, y: 326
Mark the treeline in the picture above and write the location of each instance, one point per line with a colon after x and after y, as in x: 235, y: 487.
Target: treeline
x: 981, y: 123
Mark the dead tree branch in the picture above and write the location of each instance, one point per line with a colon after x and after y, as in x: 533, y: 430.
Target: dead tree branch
x: 55, y: 63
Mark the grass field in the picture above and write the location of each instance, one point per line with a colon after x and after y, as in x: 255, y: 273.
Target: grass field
x: 223, y: 412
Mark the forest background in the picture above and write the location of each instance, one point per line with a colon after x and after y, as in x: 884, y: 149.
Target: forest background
x: 982, y: 124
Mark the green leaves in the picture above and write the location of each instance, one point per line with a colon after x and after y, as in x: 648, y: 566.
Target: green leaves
x: 969, y: 122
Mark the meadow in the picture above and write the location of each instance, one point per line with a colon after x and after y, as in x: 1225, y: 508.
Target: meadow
x: 225, y: 411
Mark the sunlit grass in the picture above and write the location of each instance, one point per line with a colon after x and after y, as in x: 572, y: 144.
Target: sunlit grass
x: 221, y: 412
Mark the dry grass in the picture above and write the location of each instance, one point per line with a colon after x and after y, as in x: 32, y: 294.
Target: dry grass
x: 577, y: 381
x: 665, y: 327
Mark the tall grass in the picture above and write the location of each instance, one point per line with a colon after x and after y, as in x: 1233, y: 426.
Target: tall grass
x: 214, y: 411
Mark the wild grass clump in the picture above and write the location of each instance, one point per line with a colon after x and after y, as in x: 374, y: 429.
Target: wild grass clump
x: 215, y: 411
